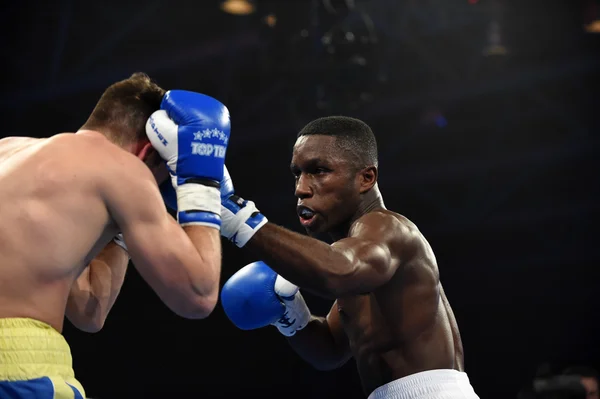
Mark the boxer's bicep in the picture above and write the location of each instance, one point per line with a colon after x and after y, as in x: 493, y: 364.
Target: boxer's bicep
x: 160, y: 249
x: 371, y: 252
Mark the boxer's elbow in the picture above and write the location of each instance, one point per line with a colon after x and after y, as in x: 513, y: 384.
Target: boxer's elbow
x: 84, y: 311
x: 196, y: 306
x: 199, y: 298
x: 326, y: 361
x: 203, y: 307
x: 326, y: 365
x: 91, y: 326
x: 89, y: 323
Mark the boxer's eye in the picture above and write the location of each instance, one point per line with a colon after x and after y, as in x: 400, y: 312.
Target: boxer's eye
x: 320, y: 171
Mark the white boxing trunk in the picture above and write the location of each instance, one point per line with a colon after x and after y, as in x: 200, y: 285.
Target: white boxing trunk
x: 432, y: 384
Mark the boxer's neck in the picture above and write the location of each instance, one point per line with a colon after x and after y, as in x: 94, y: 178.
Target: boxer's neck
x: 90, y: 133
x: 132, y: 147
x: 371, y: 201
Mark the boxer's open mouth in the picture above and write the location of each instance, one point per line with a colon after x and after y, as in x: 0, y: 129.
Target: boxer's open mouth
x: 305, y: 214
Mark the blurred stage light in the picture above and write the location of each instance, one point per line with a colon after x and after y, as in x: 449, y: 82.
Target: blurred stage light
x: 237, y: 7
x: 593, y: 27
x: 271, y: 20
x: 494, y: 44
x: 433, y: 117
x: 333, y: 58
x: 440, y: 121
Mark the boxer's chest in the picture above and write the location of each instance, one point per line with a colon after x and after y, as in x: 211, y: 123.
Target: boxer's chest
x: 360, y: 317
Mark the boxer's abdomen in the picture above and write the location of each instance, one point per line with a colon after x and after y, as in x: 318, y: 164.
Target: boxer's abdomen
x: 391, y: 341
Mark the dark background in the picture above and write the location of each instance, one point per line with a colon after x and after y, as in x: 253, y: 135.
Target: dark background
x: 493, y: 151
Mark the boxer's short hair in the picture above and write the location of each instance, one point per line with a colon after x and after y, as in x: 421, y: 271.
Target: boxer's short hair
x: 353, y: 135
x: 124, y: 108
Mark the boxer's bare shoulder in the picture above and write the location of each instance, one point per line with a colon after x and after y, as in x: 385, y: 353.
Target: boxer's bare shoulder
x: 60, y: 149
x: 425, y: 336
x: 11, y: 146
x: 52, y: 214
x: 395, y: 231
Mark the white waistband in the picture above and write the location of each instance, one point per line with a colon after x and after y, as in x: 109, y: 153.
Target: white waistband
x: 432, y: 384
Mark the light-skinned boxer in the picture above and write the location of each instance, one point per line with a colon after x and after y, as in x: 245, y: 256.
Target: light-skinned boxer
x: 64, y: 200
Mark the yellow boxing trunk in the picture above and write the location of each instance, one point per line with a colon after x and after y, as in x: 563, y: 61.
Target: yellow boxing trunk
x: 35, y: 362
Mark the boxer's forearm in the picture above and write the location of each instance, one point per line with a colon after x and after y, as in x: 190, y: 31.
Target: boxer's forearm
x: 315, y: 345
x: 304, y: 261
x: 107, y: 274
x: 95, y: 291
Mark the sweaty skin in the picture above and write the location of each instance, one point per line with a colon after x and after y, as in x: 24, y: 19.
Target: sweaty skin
x: 63, y: 200
x: 406, y: 325
x: 391, y: 313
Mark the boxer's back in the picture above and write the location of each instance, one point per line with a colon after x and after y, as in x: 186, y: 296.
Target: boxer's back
x: 53, y: 221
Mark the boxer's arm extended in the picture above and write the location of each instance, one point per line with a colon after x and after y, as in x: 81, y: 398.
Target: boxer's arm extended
x: 322, y: 343
x: 353, y: 265
x: 94, y: 292
x: 182, y: 265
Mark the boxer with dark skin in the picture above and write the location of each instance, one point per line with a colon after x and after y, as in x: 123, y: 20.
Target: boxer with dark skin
x: 390, y: 311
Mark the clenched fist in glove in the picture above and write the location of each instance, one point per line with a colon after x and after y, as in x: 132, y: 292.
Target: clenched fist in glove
x: 191, y: 133
x: 256, y: 296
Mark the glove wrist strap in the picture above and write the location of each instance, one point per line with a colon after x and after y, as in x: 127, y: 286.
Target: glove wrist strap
x: 198, y: 204
x: 241, y: 220
x: 296, y: 316
x: 247, y: 229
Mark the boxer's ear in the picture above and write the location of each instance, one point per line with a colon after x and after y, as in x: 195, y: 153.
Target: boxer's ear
x: 145, y: 151
x: 152, y: 159
x: 367, y: 178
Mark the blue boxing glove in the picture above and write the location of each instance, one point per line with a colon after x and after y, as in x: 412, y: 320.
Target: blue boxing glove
x: 256, y: 297
x: 191, y: 133
x: 241, y: 218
